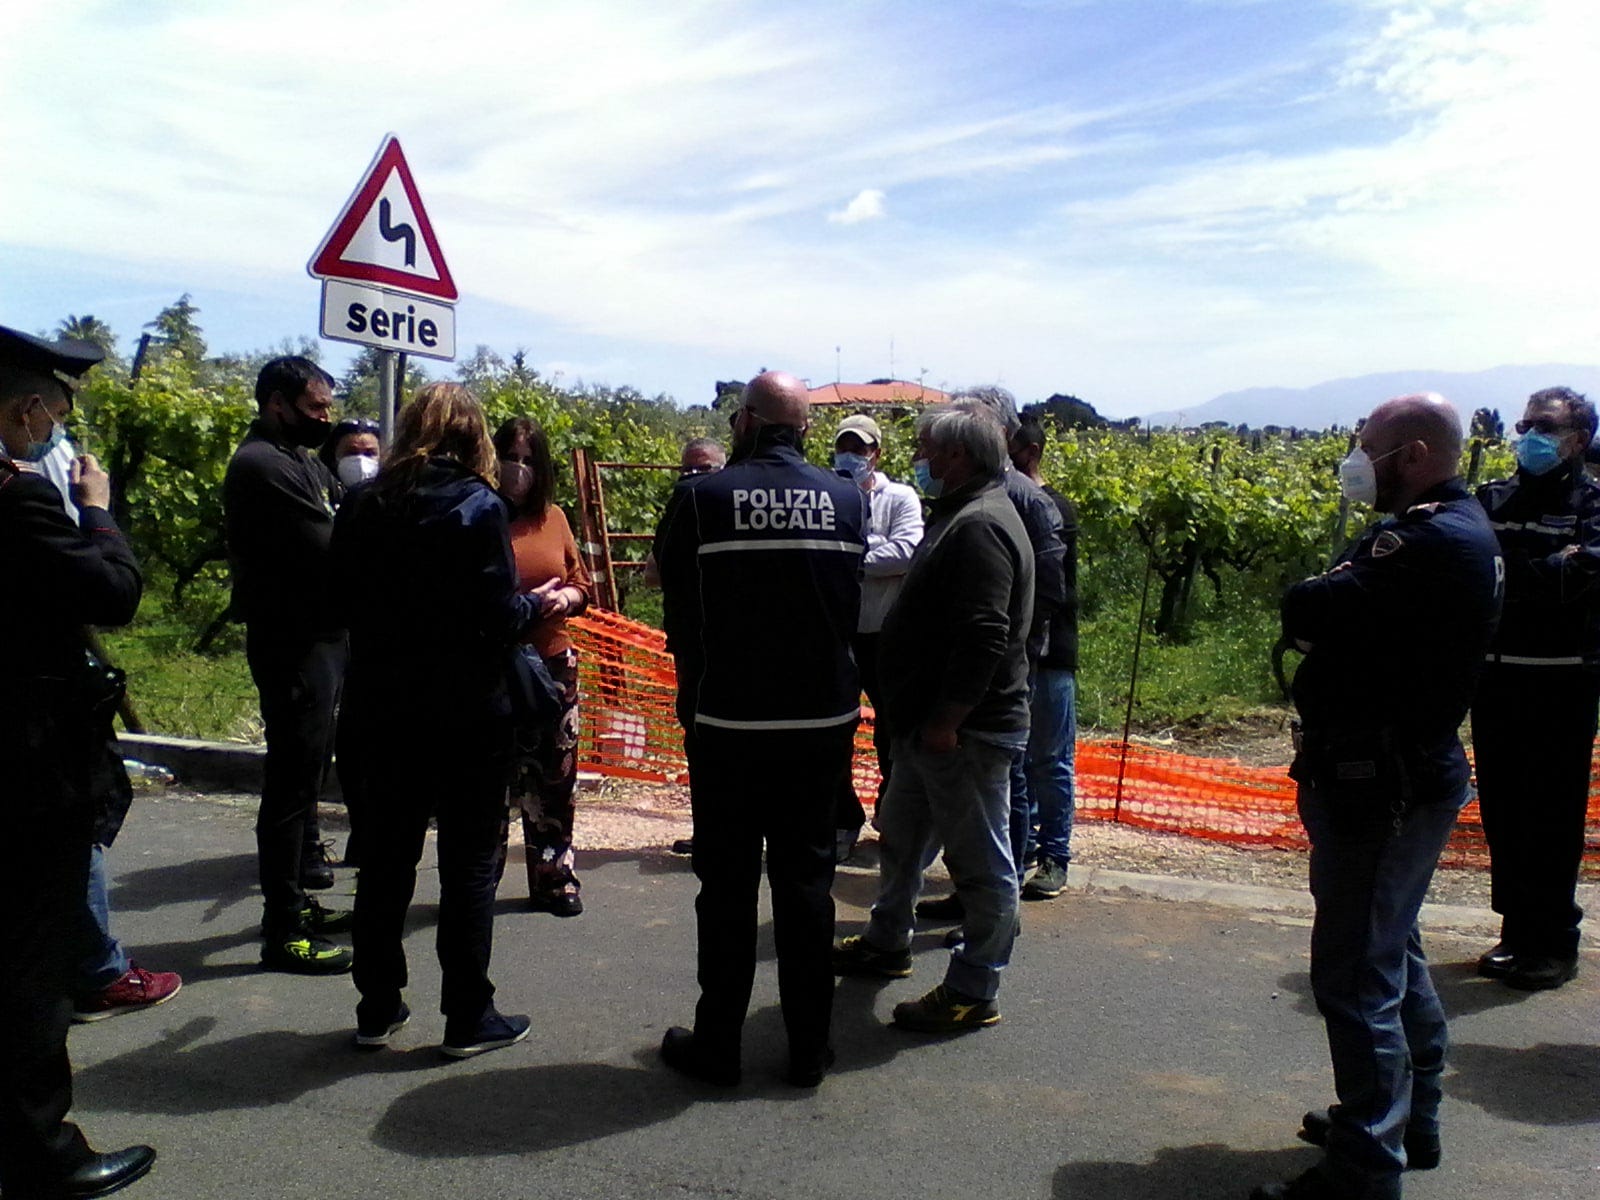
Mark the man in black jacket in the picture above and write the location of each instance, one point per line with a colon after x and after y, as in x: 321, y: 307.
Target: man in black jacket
x: 760, y: 582
x: 279, y: 524
x: 953, y: 666
x: 55, y: 739
x: 1394, y: 637
x: 1052, y: 738
x: 1533, y: 722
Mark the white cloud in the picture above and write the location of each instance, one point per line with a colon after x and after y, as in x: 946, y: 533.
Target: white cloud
x: 867, y: 206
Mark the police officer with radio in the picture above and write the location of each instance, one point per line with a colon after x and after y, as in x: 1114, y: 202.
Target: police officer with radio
x: 1533, y: 723
x: 1394, y: 637
x: 55, y: 740
x: 760, y: 573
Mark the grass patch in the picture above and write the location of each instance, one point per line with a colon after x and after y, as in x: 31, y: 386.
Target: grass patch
x: 178, y: 692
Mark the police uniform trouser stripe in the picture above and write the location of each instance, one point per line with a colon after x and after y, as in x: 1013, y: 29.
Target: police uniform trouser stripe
x: 795, y: 723
x: 781, y: 544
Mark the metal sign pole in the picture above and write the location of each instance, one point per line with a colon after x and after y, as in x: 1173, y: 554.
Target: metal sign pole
x: 386, y: 392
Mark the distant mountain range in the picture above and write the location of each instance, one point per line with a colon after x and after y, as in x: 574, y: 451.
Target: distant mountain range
x: 1346, y: 401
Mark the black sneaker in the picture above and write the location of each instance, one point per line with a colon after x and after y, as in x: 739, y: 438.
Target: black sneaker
x: 370, y: 1035
x: 304, y: 954
x: 319, y: 921
x: 1422, y: 1147
x: 945, y: 1010
x: 944, y: 908
x: 807, y: 1071
x: 493, y: 1032
x: 683, y: 1054
x: 855, y: 956
x: 316, y: 867
x: 564, y: 902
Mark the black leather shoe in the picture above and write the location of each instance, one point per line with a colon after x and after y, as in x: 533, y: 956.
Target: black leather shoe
x: 1422, y: 1148
x: 807, y: 1072
x: 680, y: 1052
x: 944, y: 908
x: 107, y: 1173
x: 1541, y: 972
x: 1497, y: 962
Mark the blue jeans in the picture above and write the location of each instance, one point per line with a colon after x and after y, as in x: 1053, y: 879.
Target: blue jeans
x: 108, y: 962
x: 962, y: 799
x: 1386, y: 1029
x: 1052, y: 744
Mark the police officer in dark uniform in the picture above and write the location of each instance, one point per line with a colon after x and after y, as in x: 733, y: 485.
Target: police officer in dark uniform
x: 1394, y: 637
x: 55, y: 740
x: 280, y: 525
x: 760, y: 568
x: 1533, y: 723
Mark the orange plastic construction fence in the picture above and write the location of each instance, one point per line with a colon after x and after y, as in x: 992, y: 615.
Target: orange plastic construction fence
x: 630, y: 729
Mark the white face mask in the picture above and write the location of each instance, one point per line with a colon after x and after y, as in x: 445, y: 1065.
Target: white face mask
x: 1358, y: 478
x: 356, y: 468
x: 1358, y: 475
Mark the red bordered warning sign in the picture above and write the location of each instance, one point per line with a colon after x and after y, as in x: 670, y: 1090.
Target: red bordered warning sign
x: 383, y: 236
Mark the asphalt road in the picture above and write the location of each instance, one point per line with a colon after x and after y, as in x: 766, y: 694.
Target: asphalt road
x: 1149, y: 1049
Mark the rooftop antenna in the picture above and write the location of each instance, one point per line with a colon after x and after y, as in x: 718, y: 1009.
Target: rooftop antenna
x: 891, y: 356
x: 836, y: 364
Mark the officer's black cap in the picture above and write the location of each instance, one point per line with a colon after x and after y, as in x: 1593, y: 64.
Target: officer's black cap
x: 65, y: 358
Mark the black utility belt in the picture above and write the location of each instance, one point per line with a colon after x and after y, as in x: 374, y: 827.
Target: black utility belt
x: 1358, y: 769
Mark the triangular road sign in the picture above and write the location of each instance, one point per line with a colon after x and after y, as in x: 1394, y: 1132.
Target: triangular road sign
x: 383, y: 236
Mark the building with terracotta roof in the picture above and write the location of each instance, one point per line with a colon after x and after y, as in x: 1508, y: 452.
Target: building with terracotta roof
x: 892, y: 393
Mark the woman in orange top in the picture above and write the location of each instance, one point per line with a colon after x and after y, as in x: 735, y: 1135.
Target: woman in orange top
x: 548, y: 566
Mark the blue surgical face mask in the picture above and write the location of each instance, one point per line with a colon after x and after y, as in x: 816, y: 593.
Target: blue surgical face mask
x: 1538, y: 453
x: 931, y: 487
x: 39, y: 451
x: 857, y: 466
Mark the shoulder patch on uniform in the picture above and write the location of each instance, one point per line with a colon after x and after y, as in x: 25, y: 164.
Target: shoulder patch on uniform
x: 1386, y: 543
x: 1424, y: 511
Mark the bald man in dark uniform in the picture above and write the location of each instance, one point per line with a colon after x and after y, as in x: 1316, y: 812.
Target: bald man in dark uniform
x: 55, y: 726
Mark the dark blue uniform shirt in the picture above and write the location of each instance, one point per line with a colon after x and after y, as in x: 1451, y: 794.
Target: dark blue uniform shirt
x: 761, y: 584
x: 1397, y: 633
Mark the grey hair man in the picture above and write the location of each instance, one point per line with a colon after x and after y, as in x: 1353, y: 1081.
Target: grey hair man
x: 1042, y: 521
x: 954, y: 669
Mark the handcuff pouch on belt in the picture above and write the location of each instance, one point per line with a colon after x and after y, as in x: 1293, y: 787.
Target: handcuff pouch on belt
x: 1362, y: 774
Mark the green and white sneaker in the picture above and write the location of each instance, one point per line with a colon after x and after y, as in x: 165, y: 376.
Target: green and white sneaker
x: 1048, y: 883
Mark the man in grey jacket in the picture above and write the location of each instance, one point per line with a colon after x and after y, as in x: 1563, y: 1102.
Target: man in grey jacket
x: 954, y: 670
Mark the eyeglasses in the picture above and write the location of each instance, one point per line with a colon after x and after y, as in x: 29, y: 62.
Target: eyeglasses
x: 1543, y: 425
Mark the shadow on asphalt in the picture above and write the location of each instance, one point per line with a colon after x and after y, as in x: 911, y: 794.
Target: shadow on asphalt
x: 1461, y: 990
x: 1206, y: 1172
x: 224, y: 881
x: 182, y: 1074
x: 1538, y: 1085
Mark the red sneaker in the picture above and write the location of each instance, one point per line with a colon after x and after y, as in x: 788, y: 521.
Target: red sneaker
x: 135, y: 990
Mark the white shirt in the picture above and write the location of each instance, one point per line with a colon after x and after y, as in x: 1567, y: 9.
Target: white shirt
x: 894, y: 528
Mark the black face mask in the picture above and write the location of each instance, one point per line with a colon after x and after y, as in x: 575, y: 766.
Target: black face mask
x: 304, y: 430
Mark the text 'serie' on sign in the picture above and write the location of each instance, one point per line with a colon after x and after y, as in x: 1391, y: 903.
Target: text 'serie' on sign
x: 385, y: 281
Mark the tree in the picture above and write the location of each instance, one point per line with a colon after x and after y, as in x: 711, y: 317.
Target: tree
x: 359, y: 386
x: 91, y: 329
x: 176, y: 330
x: 1069, y: 412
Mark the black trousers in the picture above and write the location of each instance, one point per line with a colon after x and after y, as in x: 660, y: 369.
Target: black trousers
x: 1533, y: 731
x: 298, y: 680
x: 45, y: 933
x: 848, y: 813
x: 776, y: 789
x: 456, y: 775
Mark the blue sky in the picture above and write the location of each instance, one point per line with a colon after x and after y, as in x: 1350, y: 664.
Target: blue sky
x: 1143, y: 202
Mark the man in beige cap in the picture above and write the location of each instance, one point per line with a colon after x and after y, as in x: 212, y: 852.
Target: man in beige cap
x: 894, y: 528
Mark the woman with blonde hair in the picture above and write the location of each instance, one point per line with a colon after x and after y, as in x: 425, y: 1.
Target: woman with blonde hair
x: 425, y: 571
